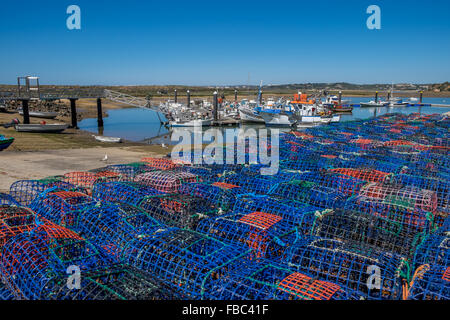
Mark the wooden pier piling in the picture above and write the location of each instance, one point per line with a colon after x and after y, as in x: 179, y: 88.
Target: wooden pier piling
x: 215, y: 105
x: 73, y: 111
x: 176, y: 96
x: 99, y: 113
x: 188, y: 99
x: 376, y: 97
x: 26, y: 111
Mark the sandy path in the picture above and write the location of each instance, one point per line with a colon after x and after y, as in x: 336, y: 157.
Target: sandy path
x: 40, y: 164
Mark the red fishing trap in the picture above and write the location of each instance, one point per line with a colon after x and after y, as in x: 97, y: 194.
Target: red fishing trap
x: 356, y: 210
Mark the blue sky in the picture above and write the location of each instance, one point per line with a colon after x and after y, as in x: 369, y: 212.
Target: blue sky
x: 223, y: 42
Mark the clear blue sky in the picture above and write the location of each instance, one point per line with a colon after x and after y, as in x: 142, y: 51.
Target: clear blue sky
x: 221, y: 42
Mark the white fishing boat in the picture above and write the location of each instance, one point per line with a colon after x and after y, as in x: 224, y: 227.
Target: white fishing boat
x: 41, y: 128
x: 249, y: 112
x: 278, y: 118
x: 40, y: 114
x: 108, y: 139
x: 373, y: 103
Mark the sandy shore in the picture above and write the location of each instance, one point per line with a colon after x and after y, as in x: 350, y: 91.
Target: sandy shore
x: 40, y: 164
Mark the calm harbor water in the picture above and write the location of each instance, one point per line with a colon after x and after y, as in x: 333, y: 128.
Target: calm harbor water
x: 142, y: 125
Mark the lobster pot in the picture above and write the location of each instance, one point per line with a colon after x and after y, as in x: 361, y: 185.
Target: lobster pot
x: 368, y: 232
x: 441, y: 187
x: 309, y: 193
x: 5, y: 294
x: 204, y: 174
x: 62, y: 207
x: 25, y: 191
x: 159, y: 163
x: 7, y: 200
x: 296, y: 214
x: 178, y: 210
x: 254, y: 230
x: 434, y: 250
x: 124, y: 192
x: 434, y: 284
x: 114, y: 226
x: 408, y: 197
x: 346, y: 185
x: 88, y: 179
x: 362, y: 174
x: 33, y: 265
x: 165, y: 181
x: 225, y: 168
x: 250, y: 183
x: 217, y: 194
x: 269, y: 281
x: 15, y: 220
x: 299, y: 165
x: 117, y: 282
x: 412, y: 217
x: 372, y: 275
x: 188, y: 262
x: 128, y: 171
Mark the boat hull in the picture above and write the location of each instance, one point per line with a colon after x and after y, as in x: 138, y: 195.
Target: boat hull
x: 41, y: 128
x: 43, y: 115
x: 250, y: 116
x: 5, y: 143
x: 277, y: 120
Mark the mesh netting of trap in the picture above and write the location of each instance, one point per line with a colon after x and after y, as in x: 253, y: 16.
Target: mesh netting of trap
x: 408, y: 197
x: 126, y: 192
x: 221, y: 195
x: 159, y: 163
x: 372, y: 275
x: 295, y: 214
x: 15, y: 220
x: 367, y: 232
x: 178, y: 210
x: 361, y: 174
x: 31, y: 263
x: 114, y: 226
x: 412, y: 217
x: 269, y: 281
x: 166, y: 181
x: 88, y: 179
x: 187, y: 261
x: 346, y: 185
x: 117, y: 282
x: 25, y: 191
x: 6, y: 199
x: 430, y: 283
x: 434, y: 250
x: 441, y: 187
x: 309, y: 193
x: 253, y: 230
x: 62, y: 207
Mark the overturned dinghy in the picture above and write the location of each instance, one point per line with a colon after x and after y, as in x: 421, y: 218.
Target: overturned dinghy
x: 41, y: 128
x: 5, y: 142
x: 44, y: 115
x: 108, y: 139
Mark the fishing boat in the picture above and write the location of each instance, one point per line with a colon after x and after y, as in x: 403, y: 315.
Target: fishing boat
x: 278, y: 117
x: 373, y: 103
x: 2, y: 108
x: 249, y: 112
x: 108, y: 139
x: 41, y: 114
x: 5, y: 142
x: 41, y: 128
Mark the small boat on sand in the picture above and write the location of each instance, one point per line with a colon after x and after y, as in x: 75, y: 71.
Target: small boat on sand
x: 108, y: 139
x: 38, y: 114
x: 41, y: 128
x: 5, y: 142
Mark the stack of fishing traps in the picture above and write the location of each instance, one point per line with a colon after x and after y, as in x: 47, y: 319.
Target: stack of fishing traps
x: 356, y: 210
